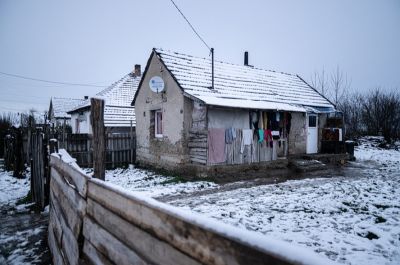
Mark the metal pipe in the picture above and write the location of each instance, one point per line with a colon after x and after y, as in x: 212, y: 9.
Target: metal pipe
x: 212, y: 68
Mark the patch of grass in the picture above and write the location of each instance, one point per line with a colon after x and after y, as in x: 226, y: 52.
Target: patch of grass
x: 379, y: 219
x: 26, y: 199
x: 175, y: 179
x: 380, y: 206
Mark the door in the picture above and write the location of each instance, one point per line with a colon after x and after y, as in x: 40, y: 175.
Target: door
x: 312, y: 133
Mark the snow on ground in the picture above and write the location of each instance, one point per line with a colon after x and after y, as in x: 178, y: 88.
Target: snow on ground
x: 352, y: 218
x: 22, y: 232
x: 12, y: 188
x: 154, y: 185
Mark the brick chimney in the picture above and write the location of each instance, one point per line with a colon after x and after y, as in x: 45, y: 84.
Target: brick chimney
x: 246, y: 58
x: 137, y: 71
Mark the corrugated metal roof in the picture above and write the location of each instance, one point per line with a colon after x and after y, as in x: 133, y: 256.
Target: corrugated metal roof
x: 118, y: 111
x: 239, y: 85
x: 62, y: 105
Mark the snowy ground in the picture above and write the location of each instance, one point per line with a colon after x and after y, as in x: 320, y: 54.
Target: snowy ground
x: 154, y: 185
x: 22, y: 232
x: 353, y: 217
x: 12, y: 188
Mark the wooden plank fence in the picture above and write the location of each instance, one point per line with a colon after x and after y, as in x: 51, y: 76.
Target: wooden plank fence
x: 120, y: 149
x: 40, y: 176
x: 94, y: 222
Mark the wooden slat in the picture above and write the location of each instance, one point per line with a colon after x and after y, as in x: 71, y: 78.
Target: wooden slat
x: 197, y: 145
x: 73, y: 175
x: 55, y: 248
x: 154, y: 250
x: 55, y: 223
x: 197, y: 242
x: 71, y: 206
x: 69, y: 240
x: 107, y: 244
x: 94, y: 256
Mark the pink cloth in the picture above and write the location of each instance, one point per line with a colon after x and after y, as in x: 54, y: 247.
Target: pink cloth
x: 216, y: 145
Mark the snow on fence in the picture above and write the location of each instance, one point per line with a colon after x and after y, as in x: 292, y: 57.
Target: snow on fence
x: 95, y: 222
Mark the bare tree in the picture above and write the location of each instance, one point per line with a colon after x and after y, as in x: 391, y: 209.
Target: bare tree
x: 381, y: 114
x: 351, y: 107
x: 340, y: 85
x: 320, y: 82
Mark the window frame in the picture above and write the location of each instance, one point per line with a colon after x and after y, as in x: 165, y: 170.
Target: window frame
x: 157, y: 135
x: 315, y: 119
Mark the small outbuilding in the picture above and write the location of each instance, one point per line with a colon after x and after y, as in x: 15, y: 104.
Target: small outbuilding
x: 119, y: 115
x: 58, y: 109
x: 245, y: 115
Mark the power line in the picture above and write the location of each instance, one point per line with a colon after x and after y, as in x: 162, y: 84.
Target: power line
x: 198, y: 35
x: 48, y: 81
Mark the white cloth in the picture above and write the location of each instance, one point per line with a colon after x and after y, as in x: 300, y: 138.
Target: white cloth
x: 247, y: 138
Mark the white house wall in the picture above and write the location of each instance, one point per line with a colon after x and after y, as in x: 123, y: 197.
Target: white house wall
x: 228, y: 118
x: 84, y: 126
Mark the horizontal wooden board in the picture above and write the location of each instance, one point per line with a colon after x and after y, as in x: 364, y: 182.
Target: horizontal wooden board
x: 107, y: 244
x: 73, y: 175
x: 71, y: 204
x: 55, y: 248
x: 198, y: 145
x: 55, y: 223
x: 201, y: 244
x: 69, y: 239
x: 154, y: 250
x: 93, y: 255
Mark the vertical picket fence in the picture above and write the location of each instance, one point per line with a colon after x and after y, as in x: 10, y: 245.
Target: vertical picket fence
x: 120, y: 149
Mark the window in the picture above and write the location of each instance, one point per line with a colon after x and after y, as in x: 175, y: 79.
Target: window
x: 77, y: 123
x: 158, y: 123
x: 312, y: 121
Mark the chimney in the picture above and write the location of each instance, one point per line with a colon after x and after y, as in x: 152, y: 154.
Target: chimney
x: 246, y: 58
x: 86, y: 97
x: 137, y: 72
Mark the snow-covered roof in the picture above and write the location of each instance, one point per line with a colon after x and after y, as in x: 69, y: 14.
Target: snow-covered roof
x: 239, y: 85
x: 118, y: 111
x: 62, y: 105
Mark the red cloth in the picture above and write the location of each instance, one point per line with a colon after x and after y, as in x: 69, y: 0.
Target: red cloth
x: 268, y: 137
x: 216, y: 145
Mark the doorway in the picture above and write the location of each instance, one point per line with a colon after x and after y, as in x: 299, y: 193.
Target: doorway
x: 312, y: 133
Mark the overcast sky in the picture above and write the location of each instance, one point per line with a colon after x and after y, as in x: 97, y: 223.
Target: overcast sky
x: 98, y: 42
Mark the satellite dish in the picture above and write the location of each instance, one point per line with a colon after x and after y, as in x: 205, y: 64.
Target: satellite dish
x: 156, y: 84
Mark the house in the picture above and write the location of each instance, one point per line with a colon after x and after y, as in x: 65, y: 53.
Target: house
x: 58, y: 109
x: 119, y: 115
x: 249, y: 116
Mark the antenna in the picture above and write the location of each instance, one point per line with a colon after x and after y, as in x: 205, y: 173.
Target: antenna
x: 202, y: 40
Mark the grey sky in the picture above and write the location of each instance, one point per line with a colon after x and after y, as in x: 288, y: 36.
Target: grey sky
x: 98, y: 42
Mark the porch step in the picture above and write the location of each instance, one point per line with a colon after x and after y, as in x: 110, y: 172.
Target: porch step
x: 305, y: 165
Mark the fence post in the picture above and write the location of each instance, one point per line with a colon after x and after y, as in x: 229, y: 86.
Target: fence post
x: 99, y: 137
x: 53, y: 146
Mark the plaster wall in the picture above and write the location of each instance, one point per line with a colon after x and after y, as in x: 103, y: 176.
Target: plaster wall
x: 169, y: 150
x: 298, y: 134
x: 228, y: 118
